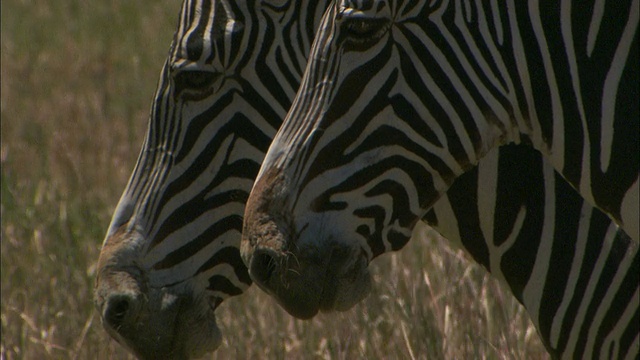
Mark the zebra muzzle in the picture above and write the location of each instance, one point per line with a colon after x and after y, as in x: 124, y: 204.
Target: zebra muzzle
x: 118, y: 297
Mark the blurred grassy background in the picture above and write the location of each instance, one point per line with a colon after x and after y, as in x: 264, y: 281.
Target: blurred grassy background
x: 77, y: 79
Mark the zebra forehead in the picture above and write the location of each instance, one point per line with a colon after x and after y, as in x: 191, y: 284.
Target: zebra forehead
x: 202, y: 23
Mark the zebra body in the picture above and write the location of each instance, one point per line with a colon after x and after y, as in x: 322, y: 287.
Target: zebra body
x: 401, y: 98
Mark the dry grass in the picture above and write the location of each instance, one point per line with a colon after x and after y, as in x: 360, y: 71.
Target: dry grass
x: 77, y: 78
x: 429, y: 302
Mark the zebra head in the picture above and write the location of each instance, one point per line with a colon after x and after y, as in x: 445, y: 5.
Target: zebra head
x: 336, y: 188
x: 171, y: 253
x: 399, y: 99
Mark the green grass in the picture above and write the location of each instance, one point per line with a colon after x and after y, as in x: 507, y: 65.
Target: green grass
x: 76, y: 84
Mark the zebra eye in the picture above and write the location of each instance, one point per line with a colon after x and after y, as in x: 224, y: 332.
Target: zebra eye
x: 195, y: 83
x: 194, y: 79
x: 364, y: 32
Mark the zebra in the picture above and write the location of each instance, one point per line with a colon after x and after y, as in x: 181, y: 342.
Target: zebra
x: 399, y: 99
x: 125, y: 291
x: 159, y: 277
x: 171, y: 252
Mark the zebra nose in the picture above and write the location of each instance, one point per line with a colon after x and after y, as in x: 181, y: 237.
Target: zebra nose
x: 119, y: 297
x: 119, y: 309
x: 264, y: 264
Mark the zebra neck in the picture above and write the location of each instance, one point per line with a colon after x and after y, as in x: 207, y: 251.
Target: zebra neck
x: 563, y: 259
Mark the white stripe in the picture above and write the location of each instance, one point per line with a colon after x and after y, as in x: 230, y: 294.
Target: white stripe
x: 532, y: 292
x: 497, y: 21
x: 629, y: 211
x: 594, y: 26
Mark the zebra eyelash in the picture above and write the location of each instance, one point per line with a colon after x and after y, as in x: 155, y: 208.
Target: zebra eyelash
x: 361, y: 27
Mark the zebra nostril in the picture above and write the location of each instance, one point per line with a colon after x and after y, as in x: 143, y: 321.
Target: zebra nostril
x: 263, y: 265
x: 117, y: 309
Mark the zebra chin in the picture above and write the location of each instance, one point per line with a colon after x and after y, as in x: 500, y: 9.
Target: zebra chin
x: 170, y: 322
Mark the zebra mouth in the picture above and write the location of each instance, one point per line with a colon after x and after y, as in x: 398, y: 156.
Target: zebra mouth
x: 305, y: 284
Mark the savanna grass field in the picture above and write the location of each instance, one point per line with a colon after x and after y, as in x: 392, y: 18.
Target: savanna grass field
x: 77, y: 82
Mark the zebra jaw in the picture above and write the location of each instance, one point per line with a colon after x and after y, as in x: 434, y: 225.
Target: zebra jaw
x: 152, y: 322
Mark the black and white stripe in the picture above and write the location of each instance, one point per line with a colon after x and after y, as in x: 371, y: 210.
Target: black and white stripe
x: 573, y: 269
x: 561, y: 76
x: 401, y: 98
x: 171, y: 254
x: 227, y: 83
